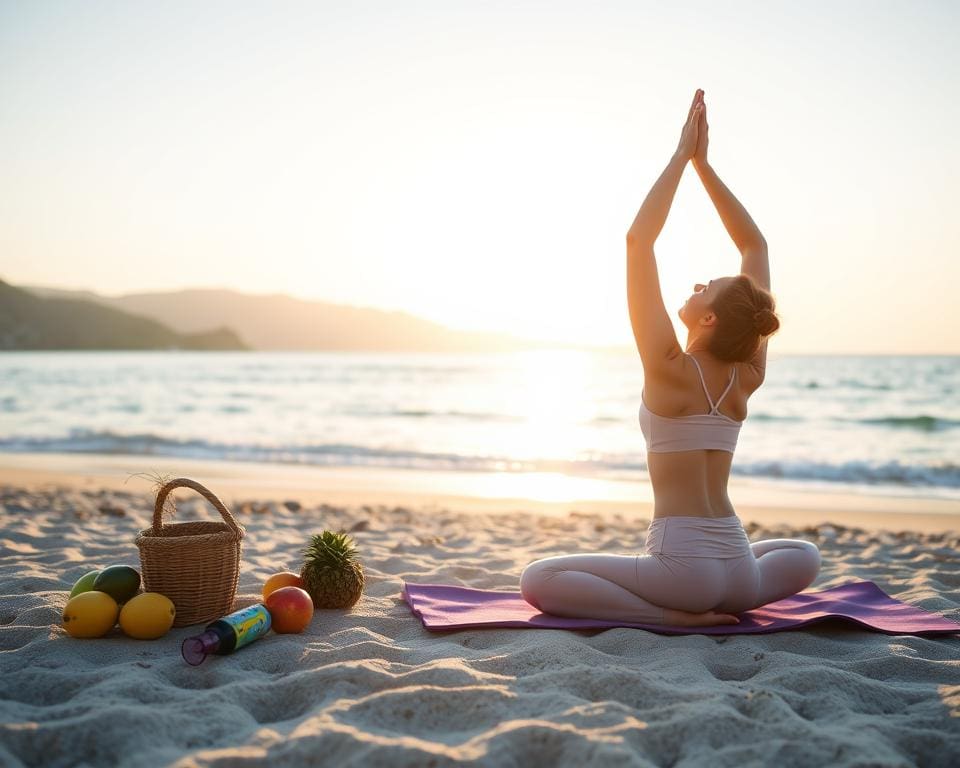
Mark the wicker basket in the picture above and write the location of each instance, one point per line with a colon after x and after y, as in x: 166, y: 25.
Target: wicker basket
x: 196, y: 565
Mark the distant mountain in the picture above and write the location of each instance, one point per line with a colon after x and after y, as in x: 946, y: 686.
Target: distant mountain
x: 279, y: 322
x: 28, y: 321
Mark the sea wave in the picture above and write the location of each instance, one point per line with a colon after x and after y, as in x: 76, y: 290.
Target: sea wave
x: 773, y: 417
x: 413, y: 413
x: 944, y: 475
x: 857, y: 384
x: 922, y: 422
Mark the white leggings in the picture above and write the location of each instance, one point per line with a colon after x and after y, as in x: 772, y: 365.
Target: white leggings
x: 692, y: 564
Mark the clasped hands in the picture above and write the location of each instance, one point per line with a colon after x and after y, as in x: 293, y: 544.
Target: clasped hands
x: 693, y: 138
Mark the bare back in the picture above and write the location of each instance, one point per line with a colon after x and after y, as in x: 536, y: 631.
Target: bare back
x: 694, y: 482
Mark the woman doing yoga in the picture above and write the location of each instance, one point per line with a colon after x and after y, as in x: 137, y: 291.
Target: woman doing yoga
x: 699, y: 568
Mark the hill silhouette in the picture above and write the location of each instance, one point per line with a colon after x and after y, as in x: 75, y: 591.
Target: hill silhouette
x: 28, y: 321
x: 280, y: 322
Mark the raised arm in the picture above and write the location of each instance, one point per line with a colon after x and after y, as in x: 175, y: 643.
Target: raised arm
x: 741, y: 228
x: 652, y: 328
x: 743, y: 231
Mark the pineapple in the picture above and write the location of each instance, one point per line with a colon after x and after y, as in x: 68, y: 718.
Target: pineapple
x: 330, y: 573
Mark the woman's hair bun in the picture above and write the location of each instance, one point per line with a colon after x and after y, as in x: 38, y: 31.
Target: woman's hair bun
x: 765, y: 321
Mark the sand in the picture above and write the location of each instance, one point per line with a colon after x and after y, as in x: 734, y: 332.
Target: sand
x: 371, y: 686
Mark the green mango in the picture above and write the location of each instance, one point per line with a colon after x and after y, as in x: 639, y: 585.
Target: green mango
x: 121, y: 582
x: 84, y: 583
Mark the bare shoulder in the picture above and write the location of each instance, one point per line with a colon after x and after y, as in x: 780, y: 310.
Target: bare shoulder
x: 666, y: 369
x: 667, y: 383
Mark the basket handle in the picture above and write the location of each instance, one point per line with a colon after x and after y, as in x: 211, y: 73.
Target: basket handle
x: 183, y: 482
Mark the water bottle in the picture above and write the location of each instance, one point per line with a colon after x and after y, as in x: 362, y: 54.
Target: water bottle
x: 227, y: 634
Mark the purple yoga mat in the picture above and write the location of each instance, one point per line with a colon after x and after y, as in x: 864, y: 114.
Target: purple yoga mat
x: 444, y: 607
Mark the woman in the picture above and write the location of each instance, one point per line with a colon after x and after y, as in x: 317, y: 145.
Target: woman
x: 700, y: 569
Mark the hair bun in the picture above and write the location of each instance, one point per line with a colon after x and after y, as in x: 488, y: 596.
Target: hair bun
x: 765, y: 322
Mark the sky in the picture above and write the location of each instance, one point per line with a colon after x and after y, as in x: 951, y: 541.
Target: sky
x: 479, y: 164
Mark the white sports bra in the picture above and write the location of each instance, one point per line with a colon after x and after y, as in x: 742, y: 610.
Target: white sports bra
x: 702, y: 431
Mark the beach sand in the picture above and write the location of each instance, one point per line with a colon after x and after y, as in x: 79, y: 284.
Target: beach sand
x: 371, y: 686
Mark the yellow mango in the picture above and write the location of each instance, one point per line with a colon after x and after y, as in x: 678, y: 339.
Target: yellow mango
x: 90, y: 614
x: 147, y: 616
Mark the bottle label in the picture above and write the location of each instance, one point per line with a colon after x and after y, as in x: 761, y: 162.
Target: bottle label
x: 249, y: 623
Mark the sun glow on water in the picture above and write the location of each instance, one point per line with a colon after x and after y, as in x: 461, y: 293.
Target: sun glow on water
x: 556, y: 382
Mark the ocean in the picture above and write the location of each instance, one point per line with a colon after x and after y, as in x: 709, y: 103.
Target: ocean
x: 875, y: 424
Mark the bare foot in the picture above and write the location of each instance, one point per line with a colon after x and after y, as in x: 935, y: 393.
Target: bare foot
x: 707, y: 619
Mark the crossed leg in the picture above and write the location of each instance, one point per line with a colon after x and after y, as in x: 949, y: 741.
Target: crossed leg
x: 646, y: 589
x: 787, y: 566
x: 637, y: 588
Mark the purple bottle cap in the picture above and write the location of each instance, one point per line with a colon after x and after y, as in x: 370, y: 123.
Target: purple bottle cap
x: 195, y: 649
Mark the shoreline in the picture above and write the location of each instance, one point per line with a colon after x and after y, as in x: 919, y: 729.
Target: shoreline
x: 490, y: 493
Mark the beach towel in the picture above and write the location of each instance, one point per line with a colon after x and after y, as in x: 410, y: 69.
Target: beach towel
x: 447, y: 607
